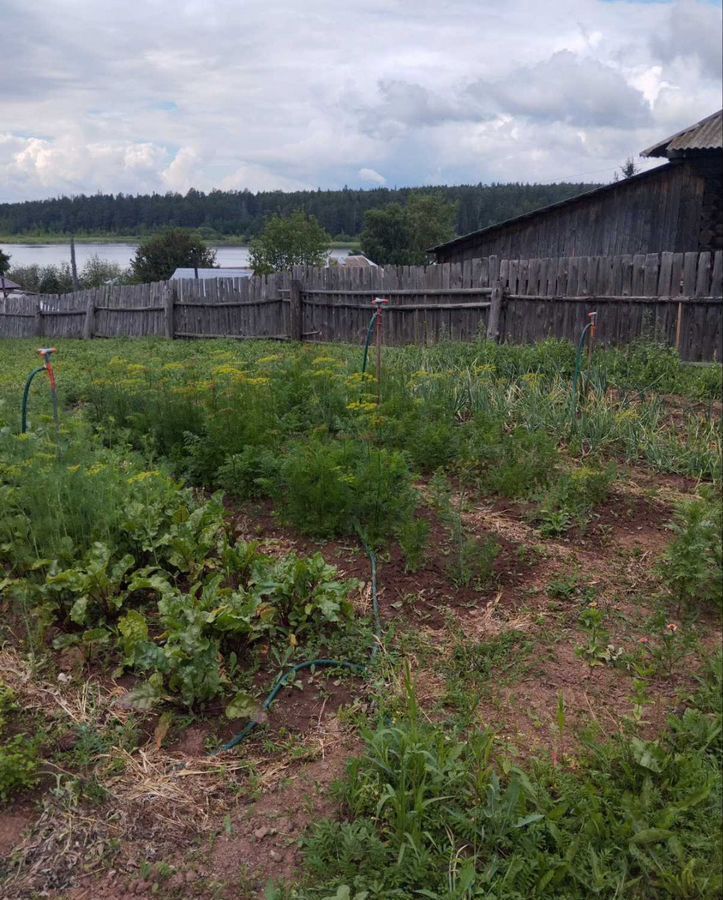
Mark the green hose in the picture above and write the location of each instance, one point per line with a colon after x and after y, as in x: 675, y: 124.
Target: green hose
x: 578, y: 368
x: 283, y: 680
x: 370, y: 332
x: 26, y: 395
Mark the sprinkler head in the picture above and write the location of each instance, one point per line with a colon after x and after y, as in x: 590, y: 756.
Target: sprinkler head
x: 46, y: 351
x: 378, y: 302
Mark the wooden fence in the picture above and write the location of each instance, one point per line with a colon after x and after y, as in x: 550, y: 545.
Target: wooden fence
x: 673, y: 297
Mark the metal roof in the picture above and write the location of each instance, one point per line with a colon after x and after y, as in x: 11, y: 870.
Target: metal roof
x: 704, y: 135
x: 357, y: 261
x: 7, y: 285
x: 227, y: 272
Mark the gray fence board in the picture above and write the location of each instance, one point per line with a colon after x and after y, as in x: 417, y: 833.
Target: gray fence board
x: 646, y: 295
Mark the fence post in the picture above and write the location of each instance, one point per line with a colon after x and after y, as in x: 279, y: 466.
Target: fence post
x: 88, y: 322
x: 38, y: 319
x: 296, y: 325
x: 169, y: 301
x: 493, y: 322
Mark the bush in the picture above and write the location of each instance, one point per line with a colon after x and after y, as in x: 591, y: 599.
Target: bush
x: 327, y: 488
x: 573, y: 497
x: 513, y: 464
x: 56, y: 505
x: 693, y: 564
x: 247, y: 474
x: 19, y: 764
x: 19, y: 758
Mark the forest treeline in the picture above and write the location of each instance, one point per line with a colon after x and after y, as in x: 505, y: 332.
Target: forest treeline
x: 243, y: 213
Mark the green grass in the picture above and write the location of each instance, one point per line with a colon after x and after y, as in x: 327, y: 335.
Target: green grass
x: 226, y: 240
x: 435, y: 814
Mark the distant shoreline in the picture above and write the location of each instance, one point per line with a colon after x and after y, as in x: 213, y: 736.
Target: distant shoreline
x: 234, y: 240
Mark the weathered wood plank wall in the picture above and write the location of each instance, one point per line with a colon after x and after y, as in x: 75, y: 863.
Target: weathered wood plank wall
x: 667, y: 208
x: 673, y: 297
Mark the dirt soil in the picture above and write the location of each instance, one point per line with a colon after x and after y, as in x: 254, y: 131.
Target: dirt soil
x: 178, y: 823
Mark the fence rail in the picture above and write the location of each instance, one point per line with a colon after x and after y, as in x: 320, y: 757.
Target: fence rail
x: 675, y: 297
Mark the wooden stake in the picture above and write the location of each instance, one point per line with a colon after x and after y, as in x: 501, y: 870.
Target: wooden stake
x: 678, y: 326
x: 493, y: 323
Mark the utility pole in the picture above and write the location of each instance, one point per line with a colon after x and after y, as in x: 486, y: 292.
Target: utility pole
x: 73, y: 267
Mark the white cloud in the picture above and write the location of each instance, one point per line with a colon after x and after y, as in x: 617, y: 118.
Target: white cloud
x: 281, y: 94
x: 371, y: 176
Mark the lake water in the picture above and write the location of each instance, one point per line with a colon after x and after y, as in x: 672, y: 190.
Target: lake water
x: 54, y: 254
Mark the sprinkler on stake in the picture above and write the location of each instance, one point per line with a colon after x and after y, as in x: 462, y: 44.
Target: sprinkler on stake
x: 589, y: 332
x: 378, y: 304
x: 592, y: 316
x: 46, y: 355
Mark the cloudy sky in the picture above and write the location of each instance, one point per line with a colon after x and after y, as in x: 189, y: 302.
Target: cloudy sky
x: 263, y: 94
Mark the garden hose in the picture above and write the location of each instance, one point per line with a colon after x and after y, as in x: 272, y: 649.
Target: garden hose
x: 578, y: 361
x: 45, y: 353
x: 370, y: 332
x: 283, y: 680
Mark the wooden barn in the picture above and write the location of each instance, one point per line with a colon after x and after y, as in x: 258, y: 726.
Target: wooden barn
x: 675, y: 207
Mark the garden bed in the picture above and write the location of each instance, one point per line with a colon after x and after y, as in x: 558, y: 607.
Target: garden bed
x: 204, y: 521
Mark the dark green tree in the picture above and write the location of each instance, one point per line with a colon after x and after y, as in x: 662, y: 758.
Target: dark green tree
x: 159, y: 256
x: 401, y: 235
x: 4, y: 262
x: 387, y: 237
x: 97, y: 272
x: 295, y: 240
x: 432, y: 220
x: 628, y: 169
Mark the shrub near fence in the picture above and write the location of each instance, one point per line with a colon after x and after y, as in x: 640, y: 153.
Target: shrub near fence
x: 674, y: 297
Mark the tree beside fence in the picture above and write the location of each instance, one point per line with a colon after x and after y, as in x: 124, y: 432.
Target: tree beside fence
x: 673, y: 297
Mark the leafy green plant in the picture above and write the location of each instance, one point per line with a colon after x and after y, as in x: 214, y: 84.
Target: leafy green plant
x: 598, y: 650
x: 19, y: 766
x: 328, y: 488
x: 571, y: 499
x: 19, y: 755
x: 471, y: 559
x: 571, y: 587
x: 692, y: 567
x: 413, y: 537
x: 635, y: 817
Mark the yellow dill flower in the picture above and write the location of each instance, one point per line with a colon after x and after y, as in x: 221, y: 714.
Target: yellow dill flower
x: 74, y: 469
x: 143, y: 476
x: 325, y: 361
x: 358, y: 378
x: 486, y: 369
x: 532, y: 378
x: 627, y: 415
x: 258, y: 380
x: 361, y: 406
x: 323, y: 373
x: 97, y: 468
x: 269, y: 359
x: 173, y: 367
x: 227, y: 370
x: 136, y: 368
